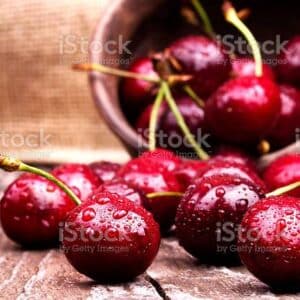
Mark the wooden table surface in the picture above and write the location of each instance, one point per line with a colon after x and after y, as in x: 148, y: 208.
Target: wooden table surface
x: 173, y: 275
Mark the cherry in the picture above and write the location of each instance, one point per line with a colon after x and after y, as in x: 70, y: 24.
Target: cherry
x: 188, y: 170
x: 31, y: 211
x: 136, y: 91
x: 105, y: 170
x: 124, y: 189
x: 269, y: 244
x: 79, y: 177
x: 234, y: 155
x: 284, y: 133
x: 242, y: 67
x: 209, y: 214
x: 110, y: 239
x: 243, y: 110
x: 203, y: 58
x: 150, y: 175
x: 283, y: 171
x: 288, y: 66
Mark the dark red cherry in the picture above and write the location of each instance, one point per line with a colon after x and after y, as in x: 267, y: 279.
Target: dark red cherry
x: 235, y: 169
x: 269, y: 244
x: 234, y: 155
x: 139, y: 92
x: 242, y: 67
x: 203, y: 58
x: 105, y: 170
x: 243, y: 110
x: 209, y: 214
x: 288, y: 65
x: 152, y: 176
x: 283, y: 171
x: 284, y: 132
x: 124, y: 189
x: 79, y: 177
x: 110, y: 239
x: 31, y: 211
x: 188, y: 170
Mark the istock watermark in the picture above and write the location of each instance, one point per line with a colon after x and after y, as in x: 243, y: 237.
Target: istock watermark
x: 33, y: 140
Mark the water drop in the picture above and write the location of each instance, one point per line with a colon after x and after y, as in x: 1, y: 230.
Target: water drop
x: 220, y: 192
x: 88, y: 214
x: 119, y: 214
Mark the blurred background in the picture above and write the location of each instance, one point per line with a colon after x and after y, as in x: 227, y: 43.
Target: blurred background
x: 47, y: 114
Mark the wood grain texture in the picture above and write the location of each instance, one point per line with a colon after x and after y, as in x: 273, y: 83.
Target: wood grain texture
x: 35, y: 275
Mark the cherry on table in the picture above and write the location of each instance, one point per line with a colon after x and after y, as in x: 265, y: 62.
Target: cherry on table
x: 269, y: 243
x: 110, y: 239
x: 31, y: 211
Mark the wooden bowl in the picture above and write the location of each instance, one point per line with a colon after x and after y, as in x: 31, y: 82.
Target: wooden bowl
x: 151, y: 25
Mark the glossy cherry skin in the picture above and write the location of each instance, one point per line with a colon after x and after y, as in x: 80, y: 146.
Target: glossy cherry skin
x: 204, y: 59
x: 110, y: 239
x: 288, y: 66
x: 32, y: 209
x: 283, y: 171
x: 269, y: 243
x: 243, y: 110
x: 151, y: 176
x: 234, y: 155
x: 124, y: 189
x: 188, y: 171
x: 139, y: 92
x: 242, y: 67
x: 235, y: 169
x: 209, y: 214
x: 105, y: 170
x: 79, y: 177
x: 284, y: 132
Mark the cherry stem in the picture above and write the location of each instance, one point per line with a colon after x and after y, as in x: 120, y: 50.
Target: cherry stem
x: 284, y: 189
x: 264, y: 147
x: 207, y: 26
x: 154, y: 118
x: 115, y: 72
x: 232, y: 17
x: 164, y: 194
x: 181, y: 123
x: 10, y: 164
x: 190, y: 92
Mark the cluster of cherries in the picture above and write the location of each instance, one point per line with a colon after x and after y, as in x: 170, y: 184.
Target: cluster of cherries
x: 221, y: 209
x: 110, y: 217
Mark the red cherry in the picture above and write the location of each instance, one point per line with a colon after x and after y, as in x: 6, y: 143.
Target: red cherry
x: 284, y: 133
x: 110, y: 239
x: 244, y: 109
x: 288, y: 66
x: 283, y: 171
x: 204, y: 59
x: 209, y: 214
x: 235, y: 169
x: 79, y: 177
x: 150, y: 175
x: 105, y: 170
x: 234, y: 155
x: 269, y: 244
x: 124, y: 189
x: 31, y: 211
x: 242, y: 67
x: 139, y: 92
x: 188, y: 170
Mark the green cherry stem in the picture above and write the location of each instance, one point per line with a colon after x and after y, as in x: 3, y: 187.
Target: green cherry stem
x: 181, y: 123
x: 284, y: 189
x: 232, y: 17
x: 10, y: 164
x: 190, y: 92
x: 115, y: 72
x: 154, y: 118
x: 207, y: 26
x: 164, y: 194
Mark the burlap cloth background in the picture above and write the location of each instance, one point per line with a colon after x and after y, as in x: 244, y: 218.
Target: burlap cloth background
x: 47, y: 113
